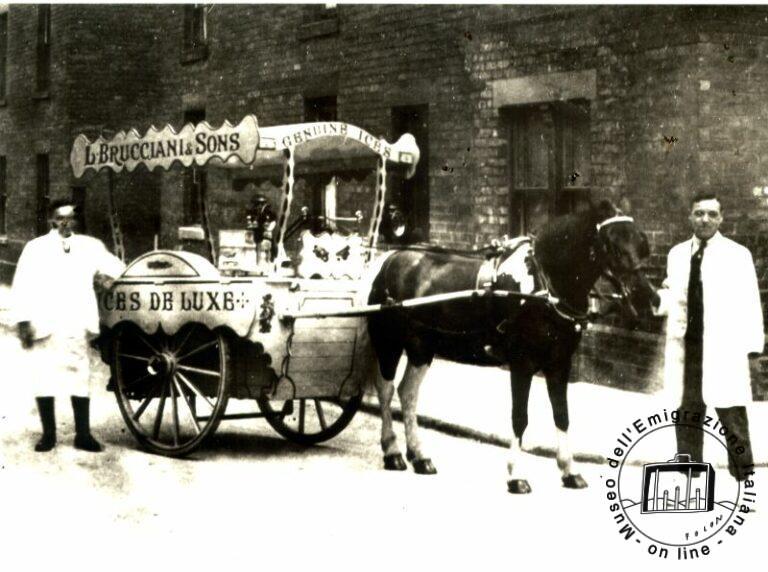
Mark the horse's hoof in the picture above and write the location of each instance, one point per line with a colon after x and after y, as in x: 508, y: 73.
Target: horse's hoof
x: 574, y: 482
x: 424, y: 467
x: 394, y: 462
x: 518, y: 487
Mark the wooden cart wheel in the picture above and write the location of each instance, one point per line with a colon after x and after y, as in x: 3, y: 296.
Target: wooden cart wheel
x: 312, y: 420
x: 172, y: 390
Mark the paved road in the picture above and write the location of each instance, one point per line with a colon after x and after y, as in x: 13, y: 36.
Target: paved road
x: 253, y: 500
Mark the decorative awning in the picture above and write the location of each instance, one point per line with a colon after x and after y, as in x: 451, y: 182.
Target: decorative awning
x: 322, y: 147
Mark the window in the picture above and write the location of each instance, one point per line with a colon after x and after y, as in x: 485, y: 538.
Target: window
x: 3, y: 51
x: 195, y: 33
x: 43, y: 50
x: 323, y: 197
x: 411, y: 196
x: 549, y: 162
x: 320, y: 108
x: 195, y: 179
x: 319, y: 20
x: 3, y: 198
x: 43, y: 194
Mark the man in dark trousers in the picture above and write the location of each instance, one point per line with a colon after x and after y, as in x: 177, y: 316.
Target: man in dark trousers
x: 714, y: 329
x: 56, y: 312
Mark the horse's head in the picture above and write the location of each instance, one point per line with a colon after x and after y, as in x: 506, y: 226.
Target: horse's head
x: 621, y: 249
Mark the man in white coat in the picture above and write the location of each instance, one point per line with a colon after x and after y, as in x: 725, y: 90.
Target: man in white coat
x: 56, y: 313
x: 714, y: 327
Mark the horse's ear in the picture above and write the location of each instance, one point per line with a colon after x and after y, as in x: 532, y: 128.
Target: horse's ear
x: 625, y: 206
x: 604, y: 209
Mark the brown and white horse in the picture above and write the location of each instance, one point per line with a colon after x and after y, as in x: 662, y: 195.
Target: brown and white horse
x: 529, y: 334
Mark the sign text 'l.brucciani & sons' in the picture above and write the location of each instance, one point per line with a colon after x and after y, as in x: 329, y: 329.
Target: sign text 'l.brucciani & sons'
x: 194, y: 144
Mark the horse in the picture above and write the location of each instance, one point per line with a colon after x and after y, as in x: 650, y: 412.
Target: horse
x: 531, y: 333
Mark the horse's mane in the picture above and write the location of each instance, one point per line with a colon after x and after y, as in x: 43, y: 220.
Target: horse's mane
x: 564, y: 249
x: 572, y: 230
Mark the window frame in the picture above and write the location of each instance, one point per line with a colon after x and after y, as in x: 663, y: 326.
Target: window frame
x: 567, y: 121
x: 195, y: 180
x: 43, y: 52
x: 42, y: 192
x: 194, y: 39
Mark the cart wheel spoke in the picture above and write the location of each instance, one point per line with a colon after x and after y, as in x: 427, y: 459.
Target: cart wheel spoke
x: 177, y: 349
x: 199, y: 370
x: 175, y: 412
x: 145, y: 341
x: 300, y: 425
x: 145, y: 403
x: 198, y: 349
x: 184, y: 400
x: 194, y: 388
x: 321, y: 415
x: 135, y: 357
x: 159, y: 414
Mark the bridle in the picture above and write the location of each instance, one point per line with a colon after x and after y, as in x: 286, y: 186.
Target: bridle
x: 557, y: 303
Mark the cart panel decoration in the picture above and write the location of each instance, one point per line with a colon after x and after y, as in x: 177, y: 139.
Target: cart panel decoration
x: 194, y: 144
x: 167, y: 290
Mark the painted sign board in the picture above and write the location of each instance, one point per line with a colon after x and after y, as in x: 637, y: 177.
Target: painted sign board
x: 194, y: 144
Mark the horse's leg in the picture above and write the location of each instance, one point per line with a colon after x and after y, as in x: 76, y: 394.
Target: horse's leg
x: 521, y: 388
x: 557, y: 388
x: 408, y: 390
x: 393, y: 459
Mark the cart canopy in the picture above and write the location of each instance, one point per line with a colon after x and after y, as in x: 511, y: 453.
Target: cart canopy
x: 315, y: 147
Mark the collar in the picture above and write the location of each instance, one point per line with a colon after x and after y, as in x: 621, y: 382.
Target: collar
x: 53, y: 233
x: 696, y: 242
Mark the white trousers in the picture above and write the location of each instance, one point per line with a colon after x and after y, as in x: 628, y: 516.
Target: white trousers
x: 61, y: 365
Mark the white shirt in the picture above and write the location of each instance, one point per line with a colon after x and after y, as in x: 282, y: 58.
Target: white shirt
x: 53, y: 285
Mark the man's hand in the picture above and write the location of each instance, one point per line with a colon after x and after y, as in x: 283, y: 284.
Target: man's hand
x: 102, y: 282
x: 26, y: 334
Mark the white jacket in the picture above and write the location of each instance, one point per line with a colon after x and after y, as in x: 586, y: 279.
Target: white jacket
x: 53, y: 289
x: 733, y: 320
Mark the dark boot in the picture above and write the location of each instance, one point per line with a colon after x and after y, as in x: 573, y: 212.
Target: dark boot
x: 45, y: 407
x: 83, y: 438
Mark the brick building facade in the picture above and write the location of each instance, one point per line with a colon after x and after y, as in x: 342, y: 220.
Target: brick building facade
x: 523, y: 112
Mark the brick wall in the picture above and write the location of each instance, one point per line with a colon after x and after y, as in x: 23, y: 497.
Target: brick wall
x: 677, y: 104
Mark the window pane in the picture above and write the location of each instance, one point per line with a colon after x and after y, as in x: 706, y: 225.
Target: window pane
x: 532, y: 130
x: 43, y: 47
x: 538, y: 151
x: 43, y: 195
x: 576, y: 144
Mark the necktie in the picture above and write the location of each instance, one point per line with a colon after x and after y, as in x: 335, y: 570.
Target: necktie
x: 695, y: 328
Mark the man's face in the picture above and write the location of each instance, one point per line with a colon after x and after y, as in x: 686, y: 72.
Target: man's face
x: 63, y: 220
x: 705, y: 218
